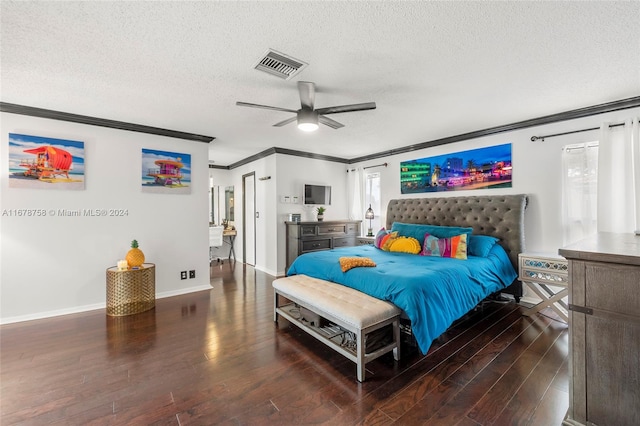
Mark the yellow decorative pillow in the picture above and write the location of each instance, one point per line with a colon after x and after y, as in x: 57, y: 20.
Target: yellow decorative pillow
x: 347, y: 263
x: 405, y: 245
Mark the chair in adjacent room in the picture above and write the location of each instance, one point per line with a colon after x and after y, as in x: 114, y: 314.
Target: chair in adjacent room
x: 215, y: 240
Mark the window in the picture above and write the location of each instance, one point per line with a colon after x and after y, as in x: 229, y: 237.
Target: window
x: 579, y: 191
x: 372, y: 197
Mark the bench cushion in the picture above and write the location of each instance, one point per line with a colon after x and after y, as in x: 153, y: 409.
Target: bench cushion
x: 344, y: 303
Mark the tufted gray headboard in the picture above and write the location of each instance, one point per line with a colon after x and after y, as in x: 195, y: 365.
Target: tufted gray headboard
x: 501, y: 216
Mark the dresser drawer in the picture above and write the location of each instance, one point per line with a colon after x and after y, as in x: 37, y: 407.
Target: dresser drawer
x: 353, y: 228
x: 331, y: 229
x: 613, y: 288
x: 344, y: 242
x: 312, y: 245
x: 307, y: 230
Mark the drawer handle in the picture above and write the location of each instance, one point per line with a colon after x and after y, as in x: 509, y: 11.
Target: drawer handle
x: 315, y: 245
x: 581, y: 309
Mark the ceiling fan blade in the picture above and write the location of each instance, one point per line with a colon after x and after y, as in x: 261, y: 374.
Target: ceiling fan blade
x: 246, y: 104
x: 329, y: 122
x: 346, y: 108
x: 307, y: 94
x: 287, y: 121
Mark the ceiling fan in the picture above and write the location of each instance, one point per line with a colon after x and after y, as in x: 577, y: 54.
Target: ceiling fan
x: 308, y: 117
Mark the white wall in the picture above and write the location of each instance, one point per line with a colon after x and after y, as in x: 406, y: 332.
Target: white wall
x: 536, y: 172
x: 293, y: 173
x: 56, y: 265
x: 287, y: 174
x: 51, y: 266
x: 266, y: 257
x: 537, y: 167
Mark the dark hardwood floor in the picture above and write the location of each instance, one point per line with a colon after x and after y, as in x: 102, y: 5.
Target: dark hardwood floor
x: 217, y: 357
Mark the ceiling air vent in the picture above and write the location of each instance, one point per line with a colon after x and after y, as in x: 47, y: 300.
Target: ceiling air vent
x: 280, y: 65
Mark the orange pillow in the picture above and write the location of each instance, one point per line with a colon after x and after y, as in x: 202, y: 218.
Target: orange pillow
x: 347, y: 263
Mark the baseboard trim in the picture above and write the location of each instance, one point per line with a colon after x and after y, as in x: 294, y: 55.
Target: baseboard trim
x: 181, y: 291
x: 93, y: 307
x: 51, y: 314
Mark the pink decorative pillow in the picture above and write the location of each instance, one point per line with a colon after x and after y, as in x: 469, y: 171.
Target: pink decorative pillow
x: 454, y: 247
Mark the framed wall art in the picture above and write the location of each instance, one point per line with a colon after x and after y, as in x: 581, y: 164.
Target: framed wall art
x: 47, y: 163
x: 481, y: 168
x: 166, y: 172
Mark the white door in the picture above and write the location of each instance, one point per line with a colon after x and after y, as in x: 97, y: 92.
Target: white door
x: 249, y: 218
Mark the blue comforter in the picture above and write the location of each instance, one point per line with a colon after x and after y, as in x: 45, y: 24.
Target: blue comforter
x: 432, y: 291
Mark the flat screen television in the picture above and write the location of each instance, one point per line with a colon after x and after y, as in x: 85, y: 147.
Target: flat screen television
x: 317, y: 194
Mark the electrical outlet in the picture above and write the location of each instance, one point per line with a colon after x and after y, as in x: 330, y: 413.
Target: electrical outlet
x: 183, y: 275
x: 192, y: 273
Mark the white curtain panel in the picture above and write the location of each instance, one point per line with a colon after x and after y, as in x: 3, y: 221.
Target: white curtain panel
x: 355, y: 193
x: 618, y: 178
x: 579, y: 191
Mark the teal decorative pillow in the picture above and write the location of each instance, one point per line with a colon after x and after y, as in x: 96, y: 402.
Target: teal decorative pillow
x: 481, y: 245
x: 454, y: 247
x: 418, y: 231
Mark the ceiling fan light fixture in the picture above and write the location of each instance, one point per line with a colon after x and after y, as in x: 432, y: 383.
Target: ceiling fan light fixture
x: 307, y: 121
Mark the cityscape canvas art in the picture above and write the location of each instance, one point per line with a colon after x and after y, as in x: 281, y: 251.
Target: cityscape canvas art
x: 480, y: 168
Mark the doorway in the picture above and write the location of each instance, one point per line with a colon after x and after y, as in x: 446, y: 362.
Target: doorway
x: 249, y: 218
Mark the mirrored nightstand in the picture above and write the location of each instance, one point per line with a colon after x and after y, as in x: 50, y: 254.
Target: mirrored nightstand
x: 365, y: 241
x: 547, y: 276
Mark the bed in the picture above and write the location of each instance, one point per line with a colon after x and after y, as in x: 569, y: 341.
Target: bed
x: 432, y: 291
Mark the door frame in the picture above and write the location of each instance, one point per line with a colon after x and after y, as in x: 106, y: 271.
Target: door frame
x: 244, y: 217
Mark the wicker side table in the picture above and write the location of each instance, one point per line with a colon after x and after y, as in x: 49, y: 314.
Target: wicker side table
x: 131, y: 291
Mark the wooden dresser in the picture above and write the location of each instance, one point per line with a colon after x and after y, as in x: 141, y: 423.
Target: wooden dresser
x: 604, y: 330
x: 303, y: 237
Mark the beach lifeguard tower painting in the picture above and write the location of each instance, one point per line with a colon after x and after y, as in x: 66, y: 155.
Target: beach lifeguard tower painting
x: 41, y: 162
x: 166, y: 172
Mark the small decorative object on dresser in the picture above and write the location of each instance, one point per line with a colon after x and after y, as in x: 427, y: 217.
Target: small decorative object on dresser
x: 320, y: 211
x: 604, y: 330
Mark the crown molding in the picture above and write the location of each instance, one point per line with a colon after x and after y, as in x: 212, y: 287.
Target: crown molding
x: 102, y: 122
x: 547, y: 119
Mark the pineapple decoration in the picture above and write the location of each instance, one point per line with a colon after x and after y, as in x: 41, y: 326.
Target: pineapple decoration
x: 135, y: 256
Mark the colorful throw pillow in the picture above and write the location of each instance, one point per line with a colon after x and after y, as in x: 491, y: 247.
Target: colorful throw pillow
x: 388, y: 240
x: 384, y: 239
x: 454, y: 247
x: 347, y: 263
x: 405, y: 245
x: 418, y: 231
x: 481, y: 245
x: 379, y: 236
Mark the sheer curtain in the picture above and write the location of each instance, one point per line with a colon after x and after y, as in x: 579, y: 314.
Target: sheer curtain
x: 619, y: 178
x: 355, y: 193
x: 579, y: 191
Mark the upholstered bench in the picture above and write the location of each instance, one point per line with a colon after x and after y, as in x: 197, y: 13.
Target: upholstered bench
x: 351, y: 310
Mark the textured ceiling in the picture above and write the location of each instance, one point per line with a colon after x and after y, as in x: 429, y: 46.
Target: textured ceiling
x: 435, y: 69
